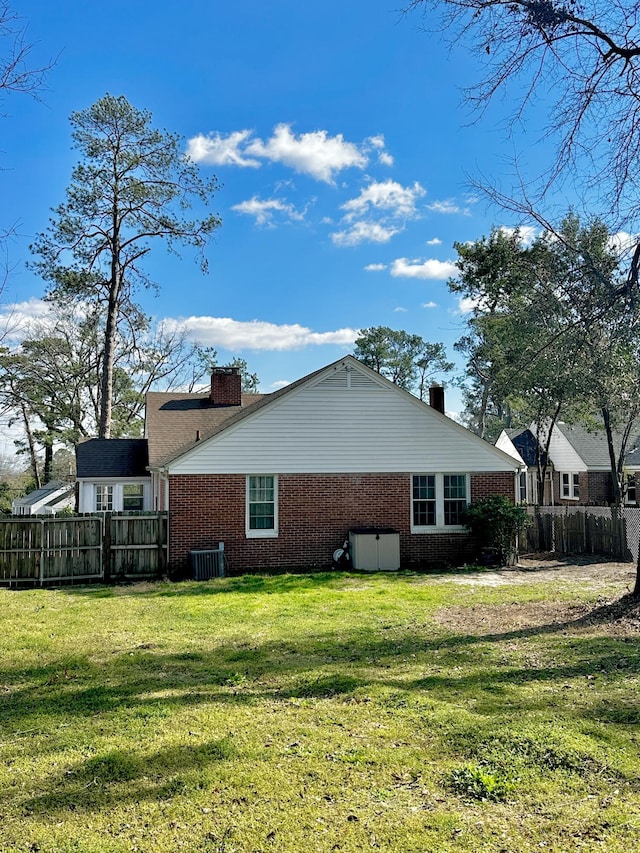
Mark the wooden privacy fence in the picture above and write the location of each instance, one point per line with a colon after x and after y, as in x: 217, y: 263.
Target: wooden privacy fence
x: 100, y: 547
x: 609, y: 531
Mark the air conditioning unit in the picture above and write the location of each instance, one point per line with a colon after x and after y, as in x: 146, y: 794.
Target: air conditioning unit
x: 207, y: 564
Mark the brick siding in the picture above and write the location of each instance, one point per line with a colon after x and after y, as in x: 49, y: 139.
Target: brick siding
x: 316, y: 511
x: 595, y: 489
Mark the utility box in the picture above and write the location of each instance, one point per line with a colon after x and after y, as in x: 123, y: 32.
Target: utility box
x: 208, y: 564
x: 375, y: 549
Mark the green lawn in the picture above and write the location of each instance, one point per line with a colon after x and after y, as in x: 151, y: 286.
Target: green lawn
x: 325, y: 712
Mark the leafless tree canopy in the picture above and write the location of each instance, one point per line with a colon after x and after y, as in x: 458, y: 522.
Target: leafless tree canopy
x: 18, y: 71
x: 586, y: 54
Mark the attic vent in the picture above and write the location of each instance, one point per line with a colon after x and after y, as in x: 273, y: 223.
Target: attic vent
x: 337, y: 379
x: 347, y: 378
x: 359, y: 380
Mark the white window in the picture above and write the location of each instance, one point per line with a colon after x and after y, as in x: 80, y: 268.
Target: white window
x: 570, y: 486
x: 132, y: 497
x: 630, y: 494
x: 438, y: 501
x: 262, y: 505
x: 522, y: 487
x: 104, y: 498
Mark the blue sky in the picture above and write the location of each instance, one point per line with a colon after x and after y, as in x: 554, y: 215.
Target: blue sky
x: 338, y: 133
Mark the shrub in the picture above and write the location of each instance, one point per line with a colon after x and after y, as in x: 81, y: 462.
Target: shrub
x: 496, y: 522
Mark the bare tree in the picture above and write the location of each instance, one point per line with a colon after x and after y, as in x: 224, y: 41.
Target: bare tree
x: 586, y: 53
x: 17, y: 71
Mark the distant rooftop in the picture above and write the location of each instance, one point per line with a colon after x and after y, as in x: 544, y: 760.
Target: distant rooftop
x: 112, y: 457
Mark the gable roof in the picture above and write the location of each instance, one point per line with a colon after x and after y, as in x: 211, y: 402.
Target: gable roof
x: 526, y: 444
x: 591, y: 446
x: 51, y: 493
x: 112, y: 457
x: 173, y: 420
x: 330, y: 376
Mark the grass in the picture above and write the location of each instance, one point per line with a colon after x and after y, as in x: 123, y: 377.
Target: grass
x: 329, y: 712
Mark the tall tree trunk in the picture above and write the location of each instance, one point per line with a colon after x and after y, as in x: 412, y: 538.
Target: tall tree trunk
x: 115, y: 287
x: 617, y: 491
x: 106, y: 385
x: 33, y: 458
x: 48, y: 461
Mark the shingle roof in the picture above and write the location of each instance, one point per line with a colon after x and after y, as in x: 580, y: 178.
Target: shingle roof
x: 590, y: 446
x: 632, y: 458
x: 112, y: 457
x: 173, y: 420
x: 47, y: 491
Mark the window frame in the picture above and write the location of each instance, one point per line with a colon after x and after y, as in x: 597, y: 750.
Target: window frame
x: 440, y: 501
x: 140, y: 496
x: 572, y: 486
x: 631, y: 487
x: 108, y: 490
x: 267, y: 532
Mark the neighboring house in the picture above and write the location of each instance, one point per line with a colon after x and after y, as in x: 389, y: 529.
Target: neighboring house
x: 632, y: 475
x: 523, y: 446
x: 282, y: 478
x: 578, y: 467
x: 112, y: 475
x: 48, y: 500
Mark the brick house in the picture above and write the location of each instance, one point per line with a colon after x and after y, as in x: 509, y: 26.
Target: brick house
x: 578, y: 465
x: 282, y: 478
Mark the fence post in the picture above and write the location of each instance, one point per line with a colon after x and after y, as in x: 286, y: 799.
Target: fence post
x: 106, y: 547
x: 42, y: 549
x: 163, y: 534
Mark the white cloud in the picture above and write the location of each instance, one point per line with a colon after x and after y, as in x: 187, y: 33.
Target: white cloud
x: 218, y: 150
x: 429, y: 304
x: 528, y: 233
x: 400, y: 310
x: 361, y: 232
x: 467, y: 304
x: 264, y: 210
x: 316, y: 153
x: 279, y: 383
x: 435, y: 242
x: 258, y: 334
x: 429, y: 269
x: 377, y: 141
x: 388, y: 196
x: 446, y: 206
x: 622, y: 242
x: 375, y: 267
x: 16, y: 317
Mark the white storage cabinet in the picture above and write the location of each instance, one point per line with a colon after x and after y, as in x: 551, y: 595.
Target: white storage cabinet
x: 375, y: 549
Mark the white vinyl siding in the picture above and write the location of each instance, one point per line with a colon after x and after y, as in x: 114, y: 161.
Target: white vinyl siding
x: 327, y: 429
x: 110, y: 496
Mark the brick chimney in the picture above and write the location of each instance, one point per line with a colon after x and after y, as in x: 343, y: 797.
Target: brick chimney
x: 436, y: 398
x: 226, y: 386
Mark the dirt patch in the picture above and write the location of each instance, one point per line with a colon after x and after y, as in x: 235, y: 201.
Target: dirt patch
x: 614, y: 612
x: 531, y: 570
